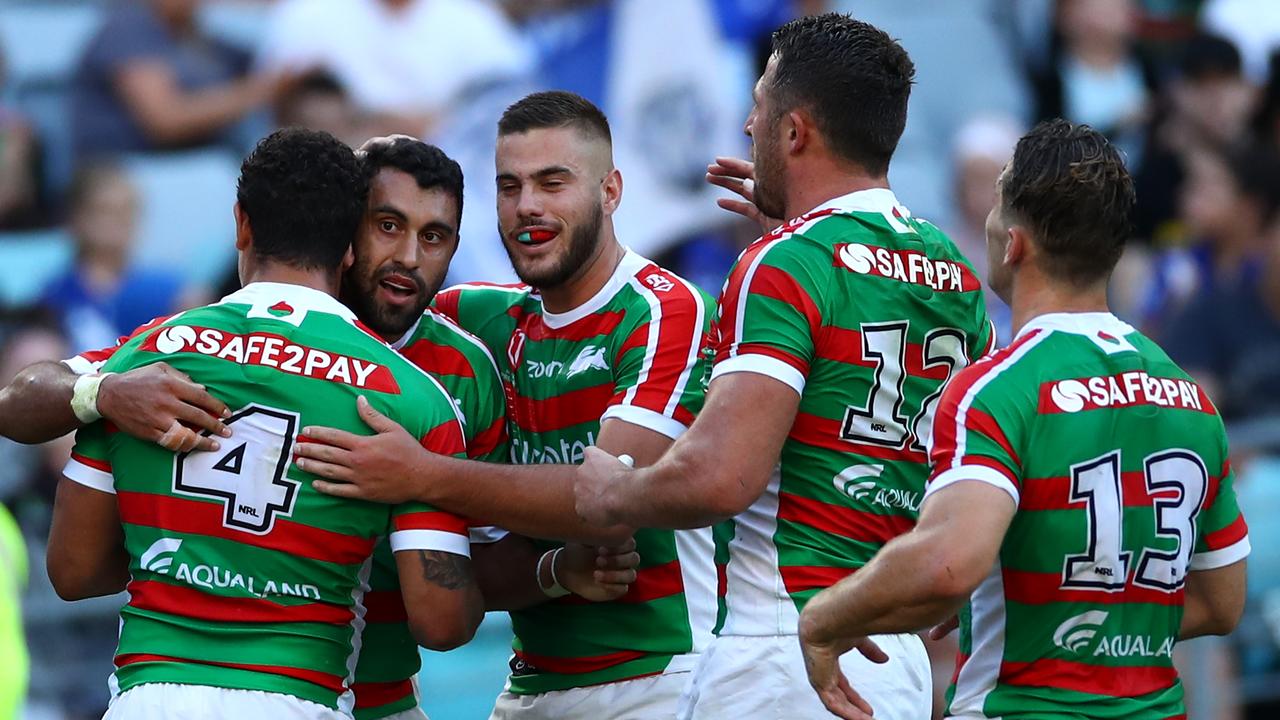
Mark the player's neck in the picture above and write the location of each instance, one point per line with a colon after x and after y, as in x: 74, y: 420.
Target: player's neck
x: 322, y: 280
x: 826, y: 180
x: 1031, y: 299
x: 586, y: 283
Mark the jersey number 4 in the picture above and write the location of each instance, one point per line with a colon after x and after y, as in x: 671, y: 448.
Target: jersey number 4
x: 249, y: 477
x: 1180, y: 479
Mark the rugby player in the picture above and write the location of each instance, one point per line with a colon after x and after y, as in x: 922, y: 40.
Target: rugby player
x: 835, y: 334
x: 598, y: 346
x: 246, y: 586
x: 1081, y: 499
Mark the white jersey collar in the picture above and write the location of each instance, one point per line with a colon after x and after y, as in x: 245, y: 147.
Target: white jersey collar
x: 262, y: 296
x: 872, y: 200
x: 1079, y: 323
x: 631, y: 264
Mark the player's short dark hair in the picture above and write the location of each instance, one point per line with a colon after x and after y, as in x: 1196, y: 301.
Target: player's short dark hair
x: 304, y: 194
x: 553, y: 109
x: 427, y: 164
x: 1069, y: 186
x: 852, y: 77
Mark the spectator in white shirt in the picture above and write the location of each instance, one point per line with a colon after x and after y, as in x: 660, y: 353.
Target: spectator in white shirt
x: 405, y: 60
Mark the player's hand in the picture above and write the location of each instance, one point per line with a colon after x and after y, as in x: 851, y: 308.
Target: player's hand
x: 161, y: 405
x: 598, y: 574
x: 944, y: 628
x: 739, y: 176
x: 381, y: 468
x: 591, y: 489
x: 822, y: 663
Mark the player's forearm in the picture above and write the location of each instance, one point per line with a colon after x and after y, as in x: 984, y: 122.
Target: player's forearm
x: 720, y: 465
x: 506, y: 572
x: 36, y: 406
x: 692, y: 486
x: 901, y: 590
x: 530, y: 500
x: 672, y: 494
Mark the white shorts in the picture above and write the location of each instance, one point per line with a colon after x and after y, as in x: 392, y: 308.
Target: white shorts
x: 170, y: 701
x: 763, y: 678
x: 647, y: 698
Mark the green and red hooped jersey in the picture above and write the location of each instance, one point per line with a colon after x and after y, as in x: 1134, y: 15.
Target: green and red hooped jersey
x: 636, y: 351
x: 242, y: 575
x: 1117, y: 462
x: 385, y: 679
x: 865, y: 311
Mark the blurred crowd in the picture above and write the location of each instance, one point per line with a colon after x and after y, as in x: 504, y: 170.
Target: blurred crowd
x: 122, y: 125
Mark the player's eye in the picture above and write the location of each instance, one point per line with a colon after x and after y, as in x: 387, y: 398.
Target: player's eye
x: 553, y: 184
x: 388, y: 226
x: 433, y: 238
x: 508, y: 188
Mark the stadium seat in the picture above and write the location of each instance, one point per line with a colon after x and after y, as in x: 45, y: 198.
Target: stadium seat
x: 186, y: 224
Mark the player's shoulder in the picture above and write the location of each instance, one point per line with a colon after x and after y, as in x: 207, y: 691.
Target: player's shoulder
x: 796, y: 254
x: 504, y: 293
x: 441, y: 330
x: 654, y: 285
x: 146, y: 338
x: 1010, y: 373
x: 476, y: 303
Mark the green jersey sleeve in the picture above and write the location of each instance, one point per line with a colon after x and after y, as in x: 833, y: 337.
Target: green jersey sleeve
x: 977, y: 429
x: 770, y: 311
x: 90, y: 463
x: 660, y: 364
x: 1222, y: 537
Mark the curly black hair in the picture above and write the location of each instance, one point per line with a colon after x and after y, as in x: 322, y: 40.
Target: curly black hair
x: 428, y: 164
x: 304, y: 193
x: 852, y: 77
x: 1068, y: 184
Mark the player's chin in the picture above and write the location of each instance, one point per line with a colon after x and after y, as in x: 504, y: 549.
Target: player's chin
x: 395, y: 321
x: 538, y: 272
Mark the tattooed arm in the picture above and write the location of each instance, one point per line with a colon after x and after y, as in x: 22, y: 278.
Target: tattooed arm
x: 441, y: 598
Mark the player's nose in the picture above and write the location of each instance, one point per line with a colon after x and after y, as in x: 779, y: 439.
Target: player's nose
x: 408, y: 253
x: 530, y: 203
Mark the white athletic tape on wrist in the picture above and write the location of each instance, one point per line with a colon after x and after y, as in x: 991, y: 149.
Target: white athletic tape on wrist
x: 84, y: 397
x: 627, y: 460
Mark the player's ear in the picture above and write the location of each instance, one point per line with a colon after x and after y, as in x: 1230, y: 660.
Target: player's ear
x: 348, y: 259
x: 611, y: 191
x: 244, y: 234
x: 1018, y: 249
x: 797, y: 130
